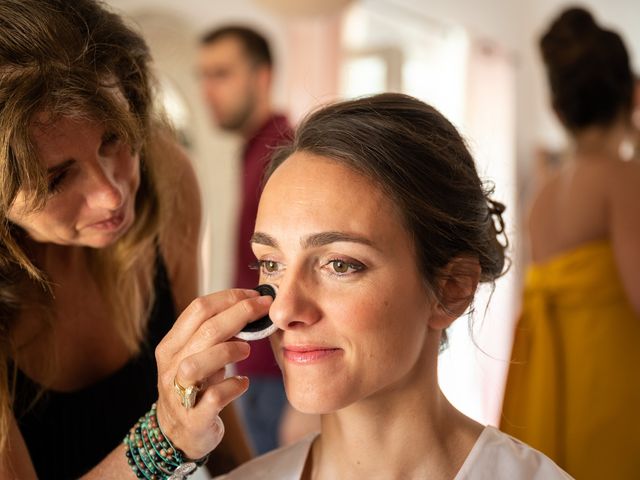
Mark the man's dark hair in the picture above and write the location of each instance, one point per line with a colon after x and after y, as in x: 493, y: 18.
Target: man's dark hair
x: 255, y: 44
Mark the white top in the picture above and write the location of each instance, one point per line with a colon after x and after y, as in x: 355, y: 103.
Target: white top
x: 495, y: 456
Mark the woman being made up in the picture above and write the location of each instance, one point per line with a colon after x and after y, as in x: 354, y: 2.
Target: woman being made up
x: 375, y: 229
x: 573, y: 388
x: 99, y: 225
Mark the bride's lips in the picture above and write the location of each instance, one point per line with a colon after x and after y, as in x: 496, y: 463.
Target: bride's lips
x: 303, y: 354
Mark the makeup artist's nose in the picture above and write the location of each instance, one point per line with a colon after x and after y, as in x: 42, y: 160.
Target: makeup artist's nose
x: 294, y: 305
x: 103, y: 191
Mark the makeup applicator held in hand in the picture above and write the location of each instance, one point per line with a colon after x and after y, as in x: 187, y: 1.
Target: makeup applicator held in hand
x: 263, y: 327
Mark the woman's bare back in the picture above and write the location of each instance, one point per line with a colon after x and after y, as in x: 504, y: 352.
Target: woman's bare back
x: 591, y: 199
x: 570, y: 209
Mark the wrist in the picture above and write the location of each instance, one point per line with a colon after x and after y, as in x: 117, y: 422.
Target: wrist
x: 152, y: 455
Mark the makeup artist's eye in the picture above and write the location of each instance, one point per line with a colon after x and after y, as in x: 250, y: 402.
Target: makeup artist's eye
x: 110, y: 138
x: 343, y: 267
x: 110, y: 143
x: 55, y: 181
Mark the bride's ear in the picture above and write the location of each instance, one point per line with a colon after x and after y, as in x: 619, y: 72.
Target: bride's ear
x: 457, y: 284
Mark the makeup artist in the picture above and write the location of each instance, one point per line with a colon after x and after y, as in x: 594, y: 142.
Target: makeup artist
x: 99, y: 227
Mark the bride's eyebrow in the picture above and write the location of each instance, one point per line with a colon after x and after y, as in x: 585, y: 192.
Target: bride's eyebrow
x: 264, y: 239
x: 314, y: 240
x: 325, y: 238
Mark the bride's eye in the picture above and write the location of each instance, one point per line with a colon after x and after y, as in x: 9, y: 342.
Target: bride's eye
x: 342, y: 267
x: 266, y: 267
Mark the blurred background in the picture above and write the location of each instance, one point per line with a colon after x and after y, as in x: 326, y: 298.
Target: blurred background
x: 476, y: 61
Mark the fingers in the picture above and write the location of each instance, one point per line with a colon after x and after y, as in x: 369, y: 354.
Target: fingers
x: 221, y: 394
x: 197, y: 368
x: 194, y: 354
x: 227, y: 324
x: 199, y: 430
x: 203, y: 308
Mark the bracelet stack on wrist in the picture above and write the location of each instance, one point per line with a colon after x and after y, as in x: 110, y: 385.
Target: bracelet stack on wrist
x: 152, y: 456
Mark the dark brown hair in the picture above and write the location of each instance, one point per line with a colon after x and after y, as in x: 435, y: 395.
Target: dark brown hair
x: 255, y: 45
x: 588, y: 71
x: 419, y: 159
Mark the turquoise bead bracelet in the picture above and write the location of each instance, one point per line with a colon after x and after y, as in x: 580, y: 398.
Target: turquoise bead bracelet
x: 152, y: 456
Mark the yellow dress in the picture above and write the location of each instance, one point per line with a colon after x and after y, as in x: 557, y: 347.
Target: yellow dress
x: 573, y: 389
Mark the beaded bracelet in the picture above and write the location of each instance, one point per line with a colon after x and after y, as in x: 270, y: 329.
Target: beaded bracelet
x: 152, y: 456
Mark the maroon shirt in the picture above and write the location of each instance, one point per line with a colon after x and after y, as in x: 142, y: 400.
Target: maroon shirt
x: 257, y: 153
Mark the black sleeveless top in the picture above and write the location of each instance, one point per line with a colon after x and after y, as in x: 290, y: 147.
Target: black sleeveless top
x: 67, y: 434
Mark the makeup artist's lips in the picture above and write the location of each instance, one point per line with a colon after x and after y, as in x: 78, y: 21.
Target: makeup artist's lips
x: 305, y: 354
x: 110, y: 224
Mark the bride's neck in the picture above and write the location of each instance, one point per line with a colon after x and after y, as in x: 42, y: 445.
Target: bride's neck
x: 418, y: 434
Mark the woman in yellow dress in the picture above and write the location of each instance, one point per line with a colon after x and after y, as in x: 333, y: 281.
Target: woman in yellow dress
x: 573, y: 390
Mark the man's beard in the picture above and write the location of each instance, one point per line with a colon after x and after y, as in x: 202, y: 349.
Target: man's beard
x: 239, y: 118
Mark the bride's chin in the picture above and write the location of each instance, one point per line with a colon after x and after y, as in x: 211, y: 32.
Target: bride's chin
x: 313, y: 404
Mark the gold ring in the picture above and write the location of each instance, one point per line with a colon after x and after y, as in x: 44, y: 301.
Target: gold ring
x: 186, y: 395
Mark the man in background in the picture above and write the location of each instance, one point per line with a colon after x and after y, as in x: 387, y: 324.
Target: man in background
x: 235, y: 69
